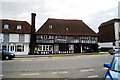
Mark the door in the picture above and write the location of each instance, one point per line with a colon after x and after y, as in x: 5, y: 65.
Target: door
x: 77, y: 48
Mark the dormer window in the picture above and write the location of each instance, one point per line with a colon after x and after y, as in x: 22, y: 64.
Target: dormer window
x: 19, y: 27
x: 67, y: 29
x: 6, y: 26
x: 50, y: 26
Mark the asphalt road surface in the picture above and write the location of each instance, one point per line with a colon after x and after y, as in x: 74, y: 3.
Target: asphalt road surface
x: 88, y: 66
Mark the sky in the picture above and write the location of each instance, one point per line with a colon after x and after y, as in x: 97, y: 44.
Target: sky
x: 91, y: 12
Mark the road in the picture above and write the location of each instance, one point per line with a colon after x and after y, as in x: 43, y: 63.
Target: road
x: 88, y: 66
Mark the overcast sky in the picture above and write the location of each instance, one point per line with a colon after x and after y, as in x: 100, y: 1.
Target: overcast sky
x: 92, y: 12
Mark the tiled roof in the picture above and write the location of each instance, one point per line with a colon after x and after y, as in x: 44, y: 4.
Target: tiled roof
x: 65, y: 27
x: 13, y: 26
x: 109, y: 22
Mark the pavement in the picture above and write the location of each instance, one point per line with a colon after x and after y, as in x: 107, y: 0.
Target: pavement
x: 60, y: 55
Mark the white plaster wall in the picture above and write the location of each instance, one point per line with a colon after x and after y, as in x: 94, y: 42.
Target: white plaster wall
x: 27, y: 37
x: 1, y: 37
x: 119, y: 9
x: 106, y: 45
x: 116, y: 27
x: 13, y: 37
x: 26, y: 48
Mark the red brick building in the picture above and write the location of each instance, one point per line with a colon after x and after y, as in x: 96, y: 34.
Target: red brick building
x: 109, y: 34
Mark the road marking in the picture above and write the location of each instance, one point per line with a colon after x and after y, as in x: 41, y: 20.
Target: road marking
x: 1, y: 75
x: 62, y: 72
x: 94, y: 76
x: 87, y: 70
x: 30, y: 74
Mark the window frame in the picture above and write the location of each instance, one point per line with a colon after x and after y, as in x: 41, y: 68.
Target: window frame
x: 6, y: 26
x: 19, y: 27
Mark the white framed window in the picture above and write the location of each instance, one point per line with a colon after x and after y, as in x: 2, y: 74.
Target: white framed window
x: 19, y: 27
x: 6, y: 38
x: 19, y: 48
x: 6, y: 26
x: 50, y: 26
x: 21, y: 37
x: 67, y: 29
x: 12, y: 48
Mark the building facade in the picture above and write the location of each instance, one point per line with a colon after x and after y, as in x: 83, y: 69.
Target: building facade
x: 15, y: 36
x: 109, y: 34
x: 65, y: 36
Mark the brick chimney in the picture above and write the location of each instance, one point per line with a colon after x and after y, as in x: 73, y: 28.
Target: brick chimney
x: 32, y: 36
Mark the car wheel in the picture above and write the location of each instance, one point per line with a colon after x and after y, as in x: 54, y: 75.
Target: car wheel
x: 7, y: 57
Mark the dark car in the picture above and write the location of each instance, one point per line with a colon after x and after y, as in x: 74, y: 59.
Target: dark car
x: 113, y: 72
x: 114, y: 50
x: 6, y: 55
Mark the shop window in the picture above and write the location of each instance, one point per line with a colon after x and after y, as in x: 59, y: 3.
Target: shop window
x: 47, y: 48
x: 20, y: 48
x: 50, y: 48
x: 63, y: 47
x: 43, y: 48
x: 40, y: 48
x: 4, y: 47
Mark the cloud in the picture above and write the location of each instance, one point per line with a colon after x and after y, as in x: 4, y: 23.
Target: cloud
x: 93, y: 12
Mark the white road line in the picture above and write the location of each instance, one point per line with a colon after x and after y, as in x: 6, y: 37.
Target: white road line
x: 54, y: 72
x: 94, y: 76
x: 87, y: 70
x: 64, y: 72
x: 61, y: 72
x: 1, y: 75
x: 30, y: 74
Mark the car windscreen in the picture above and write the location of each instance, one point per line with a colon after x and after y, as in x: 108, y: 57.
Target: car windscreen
x: 115, y: 66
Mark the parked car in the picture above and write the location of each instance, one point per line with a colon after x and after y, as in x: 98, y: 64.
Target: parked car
x: 114, y: 50
x: 113, y: 72
x: 6, y: 55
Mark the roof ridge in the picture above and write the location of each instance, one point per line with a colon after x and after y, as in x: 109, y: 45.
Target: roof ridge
x: 14, y: 20
x: 64, y: 19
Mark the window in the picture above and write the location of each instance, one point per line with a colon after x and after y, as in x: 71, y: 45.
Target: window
x: 19, y: 27
x: 45, y: 37
x: 50, y: 26
x: 21, y: 37
x: 67, y: 29
x: 20, y: 48
x: 44, y: 48
x: 6, y: 37
x: 63, y: 47
x: 12, y: 48
x: 61, y: 37
x: 6, y: 26
x: 47, y: 48
x: 40, y: 48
